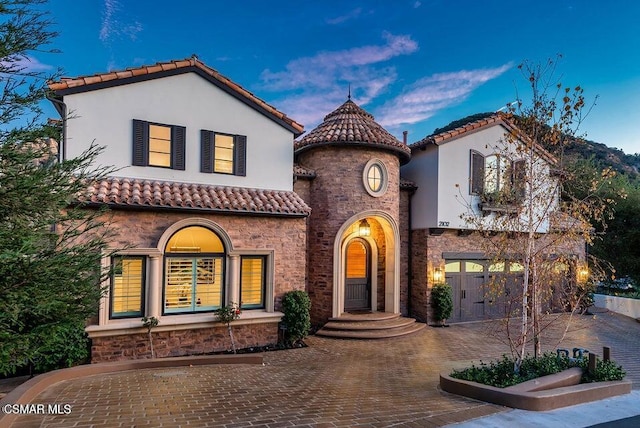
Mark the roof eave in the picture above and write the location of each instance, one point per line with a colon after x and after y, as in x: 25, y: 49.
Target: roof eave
x: 142, y: 207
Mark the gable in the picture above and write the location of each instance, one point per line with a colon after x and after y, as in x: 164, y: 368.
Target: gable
x: 69, y: 86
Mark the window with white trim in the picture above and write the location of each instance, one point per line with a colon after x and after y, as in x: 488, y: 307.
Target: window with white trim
x: 375, y: 178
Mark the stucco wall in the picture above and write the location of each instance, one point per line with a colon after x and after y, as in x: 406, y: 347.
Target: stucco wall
x: 105, y: 117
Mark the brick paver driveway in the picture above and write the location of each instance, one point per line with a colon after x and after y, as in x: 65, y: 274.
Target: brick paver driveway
x: 331, y: 383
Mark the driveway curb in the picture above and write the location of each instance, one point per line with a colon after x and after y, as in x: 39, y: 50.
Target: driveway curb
x: 29, y: 390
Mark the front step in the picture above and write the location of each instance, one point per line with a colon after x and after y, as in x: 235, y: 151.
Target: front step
x: 377, y: 325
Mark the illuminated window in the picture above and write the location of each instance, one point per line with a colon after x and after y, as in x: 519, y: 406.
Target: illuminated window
x: 374, y: 178
x: 158, y: 145
x: 473, y: 267
x: 127, y: 286
x: 252, y: 281
x: 496, y: 173
x: 223, y: 153
x: 497, y: 267
x: 194, y: 271
x: 452, y: 267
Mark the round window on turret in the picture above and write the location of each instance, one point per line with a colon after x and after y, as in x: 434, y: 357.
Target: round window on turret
x: 374, y: 177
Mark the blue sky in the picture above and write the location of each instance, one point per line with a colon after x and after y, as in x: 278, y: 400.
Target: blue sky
x: 414, y: 64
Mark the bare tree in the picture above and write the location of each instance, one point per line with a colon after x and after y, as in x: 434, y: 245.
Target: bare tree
x: 536, y: 227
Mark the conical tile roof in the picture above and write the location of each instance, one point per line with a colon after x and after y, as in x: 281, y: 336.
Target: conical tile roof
x: 350, y: 125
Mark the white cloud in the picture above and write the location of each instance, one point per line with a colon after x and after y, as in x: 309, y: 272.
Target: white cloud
x: 343, y: 18
x: 24, y: 63
x: 426, y: 96
x: 115, y: 24
x: 319, y: 83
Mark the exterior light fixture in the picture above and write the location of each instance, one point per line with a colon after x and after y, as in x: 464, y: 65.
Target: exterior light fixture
x: 583, y: 273
x: 437, y: 275
x: 364, y: 229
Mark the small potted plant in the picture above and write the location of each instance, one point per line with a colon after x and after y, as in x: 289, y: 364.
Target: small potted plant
x: 225, y: 315
x: 442, y: 303
x: 149, y: 323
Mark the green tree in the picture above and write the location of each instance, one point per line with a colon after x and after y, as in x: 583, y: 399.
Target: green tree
x: 50, y: 244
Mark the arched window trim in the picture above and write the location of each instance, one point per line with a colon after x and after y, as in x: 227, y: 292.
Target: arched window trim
x: 193, y: 262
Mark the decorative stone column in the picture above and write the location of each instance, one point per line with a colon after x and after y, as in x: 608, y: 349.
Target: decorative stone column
x: 154, y: 287
x: 234, y: 279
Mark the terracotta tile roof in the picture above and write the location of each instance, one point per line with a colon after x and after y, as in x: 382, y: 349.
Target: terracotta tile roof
x: 303, y: 172
x: 136, y: 193
x: 87, y: 83
x: 497, y: 118
x: 348, y: 125
x: 443, y: 137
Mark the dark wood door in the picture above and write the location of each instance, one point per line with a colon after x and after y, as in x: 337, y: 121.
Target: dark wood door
x: 357, y: 284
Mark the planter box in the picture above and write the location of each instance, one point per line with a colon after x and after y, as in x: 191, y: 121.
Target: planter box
x: 529, y: 396
x: 621, y: 305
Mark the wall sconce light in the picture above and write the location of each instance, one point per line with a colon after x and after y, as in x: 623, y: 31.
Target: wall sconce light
x: 364, y: 229
x: 437, y: 275
x: 583, y: 273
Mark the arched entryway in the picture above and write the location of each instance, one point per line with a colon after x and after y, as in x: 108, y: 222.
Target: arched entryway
x: 367, y: 264
x: 357, y: 282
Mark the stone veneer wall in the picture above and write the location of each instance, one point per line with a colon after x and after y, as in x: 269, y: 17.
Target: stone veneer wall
x: 181, y: 342
x: 406, y: 303
x: 336, y: 194
x: 427, y: 254
x: 286, y: 236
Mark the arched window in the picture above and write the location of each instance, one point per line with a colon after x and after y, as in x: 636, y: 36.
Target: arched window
x: 194, y: 271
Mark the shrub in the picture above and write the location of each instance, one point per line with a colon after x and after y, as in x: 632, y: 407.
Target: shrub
x: 296, y: 306
x: 64, y: 345
x: 500, y: 373
x: 442, y: 301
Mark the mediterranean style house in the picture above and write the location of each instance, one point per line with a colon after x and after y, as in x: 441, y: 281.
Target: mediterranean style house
x: 220, y: 198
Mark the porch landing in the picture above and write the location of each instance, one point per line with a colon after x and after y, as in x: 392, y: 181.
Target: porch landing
x: 369, y: 325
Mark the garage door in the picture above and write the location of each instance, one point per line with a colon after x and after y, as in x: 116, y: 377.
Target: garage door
x: 481, y: 289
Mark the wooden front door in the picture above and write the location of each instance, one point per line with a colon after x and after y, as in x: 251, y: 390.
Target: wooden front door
x: 357, y: 293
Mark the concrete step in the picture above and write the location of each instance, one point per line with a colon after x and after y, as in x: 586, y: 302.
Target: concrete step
x: 369, y: 326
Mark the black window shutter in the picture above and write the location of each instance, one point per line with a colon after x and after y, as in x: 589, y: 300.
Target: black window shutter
x: 518, y: 178
x: 240, y: 155
x: 140, y: 142
x: 206, y: 151
x: 477, y: 173
x: 178, y: 137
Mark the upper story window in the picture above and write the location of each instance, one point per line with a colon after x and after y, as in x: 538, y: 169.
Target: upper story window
x: 223, y: 153
x: 495, y: 175
x: 375, y: 177
x: 160, y: 145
